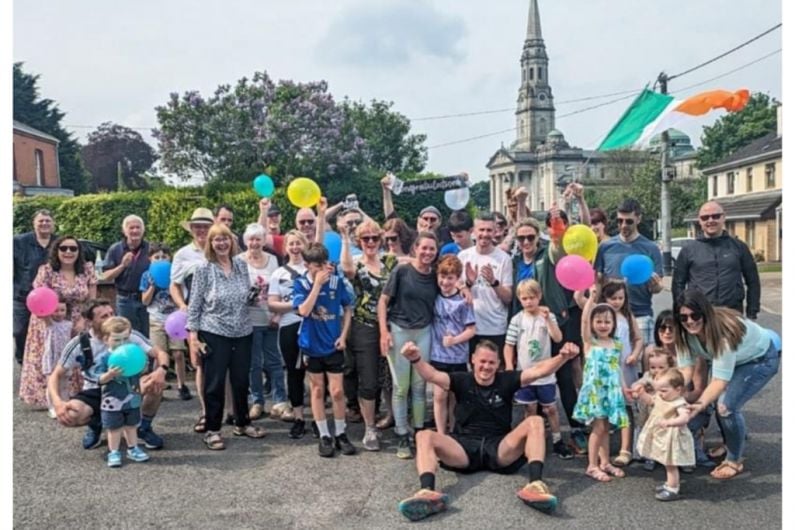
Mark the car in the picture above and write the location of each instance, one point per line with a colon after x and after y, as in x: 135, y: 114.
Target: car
x: 676, y: 245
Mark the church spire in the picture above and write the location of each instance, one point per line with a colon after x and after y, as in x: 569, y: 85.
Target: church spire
x: 535, y: 112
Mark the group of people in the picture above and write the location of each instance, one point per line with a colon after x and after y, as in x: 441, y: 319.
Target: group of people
x: 473, y: 308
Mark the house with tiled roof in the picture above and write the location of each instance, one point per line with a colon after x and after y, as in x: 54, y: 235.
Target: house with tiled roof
x: 36, y: 166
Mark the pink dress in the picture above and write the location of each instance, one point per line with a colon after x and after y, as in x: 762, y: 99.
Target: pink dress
x: 33, y: 381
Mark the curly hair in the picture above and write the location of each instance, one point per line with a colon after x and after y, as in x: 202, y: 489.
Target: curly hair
x: 55, y: 261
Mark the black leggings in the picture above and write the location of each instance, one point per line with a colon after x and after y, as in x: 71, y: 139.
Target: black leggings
x: 288, y: 345
x: 232, y: 354
x: 361, y: 364
x: 565, y: 374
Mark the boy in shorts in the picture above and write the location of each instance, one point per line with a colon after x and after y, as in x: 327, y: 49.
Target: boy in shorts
x: 453, y: 326
x: 159, y: 305
x: 320, y: 297
x: 120, y: 404
x: 529, y: 341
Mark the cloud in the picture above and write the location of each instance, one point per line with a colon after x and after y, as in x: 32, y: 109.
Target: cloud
x: 392, y: 36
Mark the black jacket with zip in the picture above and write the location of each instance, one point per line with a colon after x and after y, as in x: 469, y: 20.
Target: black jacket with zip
x: 717, y: 266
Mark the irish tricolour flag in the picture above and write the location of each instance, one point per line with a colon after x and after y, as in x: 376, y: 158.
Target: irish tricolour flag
x: 652, y: 113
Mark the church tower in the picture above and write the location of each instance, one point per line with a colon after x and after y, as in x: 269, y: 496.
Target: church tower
x: 535, y: 112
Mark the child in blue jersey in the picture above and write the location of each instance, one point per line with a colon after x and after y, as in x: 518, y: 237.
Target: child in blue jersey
x: 321, y: 298
x: 453, y: 326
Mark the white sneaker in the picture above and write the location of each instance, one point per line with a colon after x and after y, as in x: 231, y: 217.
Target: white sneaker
x: 370, y: 440
x: 278, y: 409
x: 51, y: 413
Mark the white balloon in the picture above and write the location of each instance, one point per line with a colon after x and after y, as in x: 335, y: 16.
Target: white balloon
x: 457, y: 199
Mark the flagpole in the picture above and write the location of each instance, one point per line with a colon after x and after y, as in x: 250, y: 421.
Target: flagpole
x: 665, y: 192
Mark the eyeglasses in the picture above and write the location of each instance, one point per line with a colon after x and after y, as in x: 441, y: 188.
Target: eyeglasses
x: 303, y: 222
x: 713, y: 216
x: 68, y: 248
x: 666, y: 327
x: 430, y: 219
x: 371, y: 239
x: 695, y: 317
x: 391, y: 239
x: 528, y: 238
x: 628, y: 222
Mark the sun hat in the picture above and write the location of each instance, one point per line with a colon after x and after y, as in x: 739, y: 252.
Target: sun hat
x: 200, y: 216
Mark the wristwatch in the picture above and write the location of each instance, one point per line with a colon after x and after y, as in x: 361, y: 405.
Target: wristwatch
x: 495, y: 283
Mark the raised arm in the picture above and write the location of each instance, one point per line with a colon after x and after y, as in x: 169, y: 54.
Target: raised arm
x: 320, y: 220
x: 346, y: 259
x: 389, y: 207
x: 411, y: 352
x: 550, y: 366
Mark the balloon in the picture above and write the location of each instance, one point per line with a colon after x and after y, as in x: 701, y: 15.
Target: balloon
x: 333, y: 243
x: 580, y: 240
x: 457, y: 199
x: 637, y: 269
x: 574, y: 273
x: 130, y: 358
x: 175, y: 325
x: 303, y: 192
x: 263, y: 185
x: 161, y: 273
x: 774, y: 338
x: 42, y: 301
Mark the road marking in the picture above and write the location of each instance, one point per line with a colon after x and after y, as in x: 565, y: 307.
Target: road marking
x: 768, y: 310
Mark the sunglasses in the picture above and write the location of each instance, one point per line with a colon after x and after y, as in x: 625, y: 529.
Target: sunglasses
x: 370, y: 239
x: 68, y: 248
x: 522, y: 239
x: 713, y: 216
x: 628, y: 222
x: 666, y: 327
x: 430, y: 219
x: 695, y: 317
x: 390, y: 239
x: 303, y: 222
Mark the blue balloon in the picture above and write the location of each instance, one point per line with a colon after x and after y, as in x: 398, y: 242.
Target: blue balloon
x: 637, y: 269
x: 263, y: 185
x: 161, y: 273
x: 333, y: 243
x: 130, y: 358
x: 774, y: 338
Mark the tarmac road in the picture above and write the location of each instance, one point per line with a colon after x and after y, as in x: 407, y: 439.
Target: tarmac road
x: 278, y: 483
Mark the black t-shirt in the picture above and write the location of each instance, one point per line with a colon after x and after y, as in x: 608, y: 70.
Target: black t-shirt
x: 412, y: 296
x: 484, y: 410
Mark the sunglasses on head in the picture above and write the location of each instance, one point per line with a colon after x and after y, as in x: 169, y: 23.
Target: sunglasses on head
x: 390, y: 239
x: 695, y: 317
x: 303, y: 222
x: 529, y: 238
x: 370, y: 239
x: 628, y: 222
x: 68, y: 248
x: 713, y: 216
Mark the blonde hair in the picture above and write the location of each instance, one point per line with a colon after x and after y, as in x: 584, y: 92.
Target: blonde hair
x: 298, y: 235
x: 219, y: 229
x: 527, y: 287
x: 674, y: 377
x: 115, y: 325
x: 661, y: 352
x: 367, y: 226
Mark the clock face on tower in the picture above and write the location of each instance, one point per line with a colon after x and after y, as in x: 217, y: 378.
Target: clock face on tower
x: 542, y: 97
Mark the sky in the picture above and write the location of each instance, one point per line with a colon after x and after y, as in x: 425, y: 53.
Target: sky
x: 116, y: 61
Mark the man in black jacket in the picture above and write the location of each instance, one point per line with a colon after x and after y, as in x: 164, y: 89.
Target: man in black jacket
x: 717, y: 264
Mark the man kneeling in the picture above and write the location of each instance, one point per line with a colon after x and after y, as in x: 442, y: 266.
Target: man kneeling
x: 483, y: 439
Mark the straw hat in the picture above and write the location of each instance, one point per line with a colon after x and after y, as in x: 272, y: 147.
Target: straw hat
x: 201, y: 216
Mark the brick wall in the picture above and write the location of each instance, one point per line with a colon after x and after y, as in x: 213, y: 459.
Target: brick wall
x: 25, y: 161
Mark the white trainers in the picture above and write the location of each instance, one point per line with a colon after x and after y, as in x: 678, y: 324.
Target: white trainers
x: 370, y: 440
x: 278, y: 409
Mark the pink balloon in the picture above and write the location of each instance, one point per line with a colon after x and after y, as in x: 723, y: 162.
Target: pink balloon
x: 175, y: 325
x: 42, y: 301
x: 574, y: 273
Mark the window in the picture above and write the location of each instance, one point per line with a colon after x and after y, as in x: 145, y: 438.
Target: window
x: 690, y: 170
x: 715, y: 186
x: 39, y: 154
x: 524, y: 74
x: 730, y: 183
x: 770, y: 176
x: 601, y: 172
x: 540, y: 73
x: 749, y: 179
x: 530, y: 74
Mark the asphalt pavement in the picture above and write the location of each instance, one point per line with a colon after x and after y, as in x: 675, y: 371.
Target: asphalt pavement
x: 277, y: 482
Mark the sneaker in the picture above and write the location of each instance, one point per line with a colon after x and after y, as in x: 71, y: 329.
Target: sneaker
x: 659, y: 487
x: 370, y: 440
x: 537, y: 495
x: 278, y: 409
x: 326, y: 447
x: 422, y: 504
x: 315, y: 431
x: 255, y: 412
x: 666, y: 495
x: 404, y: 448
x: 344, y: 445
x: 562, y: 450
x: 51, y: 413
x: 114, y: 459
x: 184, y: 393
x: 171, y: 375
x: 150, y: 439
x: 649, y: 465
x: 578, y: 442
x: 92, y: 438
x: 136, y: 454
x: 298, y: 429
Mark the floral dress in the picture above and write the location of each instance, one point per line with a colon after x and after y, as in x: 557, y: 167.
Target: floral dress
x: 33, y: 381
x: 601, y: 395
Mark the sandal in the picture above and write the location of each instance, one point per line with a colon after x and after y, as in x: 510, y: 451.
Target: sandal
x: 623, y: 459
x: 250, y: 431
x: 727, y: 470
x: 613, y: 470
x: 717, y: 453
x: 201, y: 425
x: 597, y: 474
x: 213, y: 441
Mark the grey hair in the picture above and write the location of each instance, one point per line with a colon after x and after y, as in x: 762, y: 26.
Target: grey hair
x: 130, y: 218
x: 254, y: 230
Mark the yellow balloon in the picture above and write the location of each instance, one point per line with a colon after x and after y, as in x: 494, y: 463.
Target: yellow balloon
x: 303, y: 192
x: 580, y: 240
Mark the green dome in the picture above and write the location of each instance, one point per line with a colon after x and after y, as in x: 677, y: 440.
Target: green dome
x: 675, y: 136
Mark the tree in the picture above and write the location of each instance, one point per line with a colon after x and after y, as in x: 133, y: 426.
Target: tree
x: 116, y: 152
x: 292, y: 128
x: 389, y: 144
x: 479, y: 194
x: 44, y: 114
x: 736, y: 129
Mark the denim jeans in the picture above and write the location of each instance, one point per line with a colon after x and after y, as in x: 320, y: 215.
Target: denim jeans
x: 748, y: 379
x: 131, y: 308
x: 646, y: 328
x: 265, y: 355
x: 405, y: 377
